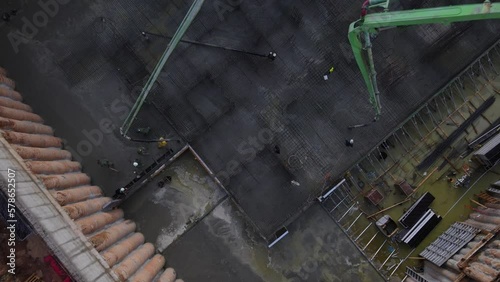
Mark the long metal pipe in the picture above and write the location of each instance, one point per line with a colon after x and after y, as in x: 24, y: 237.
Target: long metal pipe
x: 85, y: 208
x: 378, y: 250
x: 387, y: 259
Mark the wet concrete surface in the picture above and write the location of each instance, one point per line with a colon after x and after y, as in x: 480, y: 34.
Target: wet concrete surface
x: 224, y: 248
x: 163, y: 212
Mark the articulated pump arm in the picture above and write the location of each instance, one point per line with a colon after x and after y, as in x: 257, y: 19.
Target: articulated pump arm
x: 360, y: 32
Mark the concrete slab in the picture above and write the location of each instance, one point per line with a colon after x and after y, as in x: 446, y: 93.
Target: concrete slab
x: 88, y: 58
x: 223, y: 247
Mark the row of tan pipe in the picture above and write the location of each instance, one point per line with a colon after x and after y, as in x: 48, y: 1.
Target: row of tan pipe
x: 32, y: 140
x: 13, y: 104
x: 113, y: 236
x: 42, y: 154
x: 7, y: 81
x: 19, y: 115
x: 9, y: 93
x: 25, y: 126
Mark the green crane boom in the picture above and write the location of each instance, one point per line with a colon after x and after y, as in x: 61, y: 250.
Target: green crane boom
x: 360, y: 32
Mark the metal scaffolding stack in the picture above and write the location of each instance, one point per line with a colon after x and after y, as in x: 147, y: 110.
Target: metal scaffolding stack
x: 450, y: 242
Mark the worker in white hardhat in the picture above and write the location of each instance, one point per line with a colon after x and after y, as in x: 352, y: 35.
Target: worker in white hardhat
x: 136, y: 163
x: 119, y: 193
x: 349, y: 143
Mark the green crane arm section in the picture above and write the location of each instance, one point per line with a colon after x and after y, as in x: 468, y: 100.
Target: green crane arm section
x: 362, y: 30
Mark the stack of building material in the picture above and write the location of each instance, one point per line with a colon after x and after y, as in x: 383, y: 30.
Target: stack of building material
x: 478, y: 260
x: 123, y: 249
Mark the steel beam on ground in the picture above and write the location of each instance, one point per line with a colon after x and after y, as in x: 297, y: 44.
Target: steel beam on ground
x: 401, y: 262
x: 387, y: 259
x: 352, y: 224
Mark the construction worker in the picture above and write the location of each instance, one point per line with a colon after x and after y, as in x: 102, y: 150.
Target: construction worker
x: 7, y: 16
x: 136, y: 163
x: 142, y: 151
x: 271, y: 56
x: 144, y: 130
x: 325, y: 76
x: 162, y: 143
x: 349, y: 143
x: 277, y: 149
x: 144, y: 34
x: 168, y: 179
